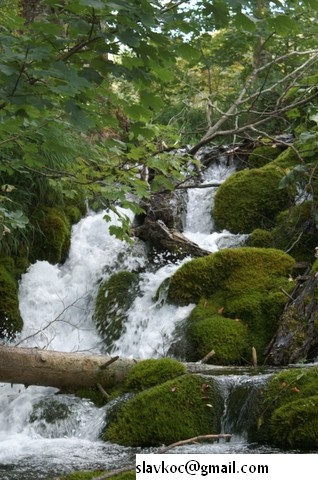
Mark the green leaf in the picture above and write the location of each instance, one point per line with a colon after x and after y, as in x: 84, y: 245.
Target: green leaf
x: 188, y: 52
x: 312, y: 4
x: 245, y: 22
x: 150, y: 100
x: 283, y: 24
x: 221, y: 13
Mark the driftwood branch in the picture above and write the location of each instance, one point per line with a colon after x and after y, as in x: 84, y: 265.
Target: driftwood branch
x: 245, y: 101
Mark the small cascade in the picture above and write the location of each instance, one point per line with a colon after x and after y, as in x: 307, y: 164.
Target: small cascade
x: 199, y: 224
x: 57, y: 304
x: 241, y: 394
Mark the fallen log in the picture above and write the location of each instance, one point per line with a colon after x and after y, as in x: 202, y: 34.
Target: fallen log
x: 168, y: 239
x: 33, y: 366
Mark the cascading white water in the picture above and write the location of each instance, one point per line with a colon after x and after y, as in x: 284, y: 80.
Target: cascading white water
x: 199, y: 224
x: 57, y: 302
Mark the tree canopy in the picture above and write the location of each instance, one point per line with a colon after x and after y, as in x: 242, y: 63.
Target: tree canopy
x: 93, y: 92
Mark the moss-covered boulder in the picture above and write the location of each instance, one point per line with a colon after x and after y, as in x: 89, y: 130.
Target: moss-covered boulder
x: 148, y: 373
x: 181, y: 408
x: 242, y: 284
x: 52, y: 241
x: 114, y: 298
x: 226, y: 337
x: 260, y: 238
x: 250, y: 199
x: 288, y: 416
x: 296, y: 231
x: 263, y: 154
x: 10, y: 318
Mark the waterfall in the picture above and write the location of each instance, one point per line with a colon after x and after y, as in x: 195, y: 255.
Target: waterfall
x: 57, y: 303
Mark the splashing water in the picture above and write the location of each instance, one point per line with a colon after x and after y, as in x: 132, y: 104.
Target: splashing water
x: 57, y: 304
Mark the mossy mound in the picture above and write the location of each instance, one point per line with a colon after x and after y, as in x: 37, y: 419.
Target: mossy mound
x: 178, y: 409
x: 148, y: 373
x: 10, y: 318
x: 131, y: 475
x: 260, y: 238
x: 53, y: 241
x: 244, y: 284
x: 295, y: 425
x: 235, y: 270
x: 263, y: 155
x: 250, y: 199
x: 289, y: 410
x: 296, y: 231
x: 225, y: 336
x: 114, y: 298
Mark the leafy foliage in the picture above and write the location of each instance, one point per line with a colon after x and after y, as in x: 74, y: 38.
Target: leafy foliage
x: 85, y: 86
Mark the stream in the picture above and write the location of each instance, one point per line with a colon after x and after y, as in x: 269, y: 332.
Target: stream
x: 57, y: 303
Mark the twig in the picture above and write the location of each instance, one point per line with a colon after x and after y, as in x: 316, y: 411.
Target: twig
x: 287, y: 294
x: 102, y: 391
x: 199, y: 438
x: 109, y: 362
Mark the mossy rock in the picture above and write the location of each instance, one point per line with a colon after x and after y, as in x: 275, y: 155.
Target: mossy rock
x: 288, y: 414
x: 8, y: 263
x: 296, y: 231
x: 131, y: 475
x: 260, y: 238
x: 114, y: 298
x: 250, y: 199
x: 53, y: 241
x: 227, y: 337
x: 50, y: 411
x: 10, y: 318
x: 263, y: 155
x: 235, y: 270
x: 178, y: 409
x: 148, y: 373
x: 240, y: 284
x: 295, y: 425
x: 73, y: 213
x: 285, y: 160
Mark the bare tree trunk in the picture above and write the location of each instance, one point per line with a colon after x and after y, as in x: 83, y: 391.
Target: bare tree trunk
x: 32, y: 366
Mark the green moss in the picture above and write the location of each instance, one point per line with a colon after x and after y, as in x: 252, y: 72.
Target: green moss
x: 178, y: 409
x: 149, y: 373
x: 260, y: 238
x: 7, y: 263
x: 131, y: 475
x: 10, y: 318
x: 262, y: 155
x: 285, y: 160
x: 49, y: 410
x: 250, y: 199
x: 53, y: 243
x: 314, y: 267
x: 227, y: 337
x: 244, y: 284
x: 114, y: 298
x: 232, y: 270
x: 92, y: 394
x: 296, y: 231
x: 295, y: 425
x: 289, y: 409
x: 73, y: 213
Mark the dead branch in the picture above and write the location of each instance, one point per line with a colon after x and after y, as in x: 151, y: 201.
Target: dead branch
x: 243, y: 98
